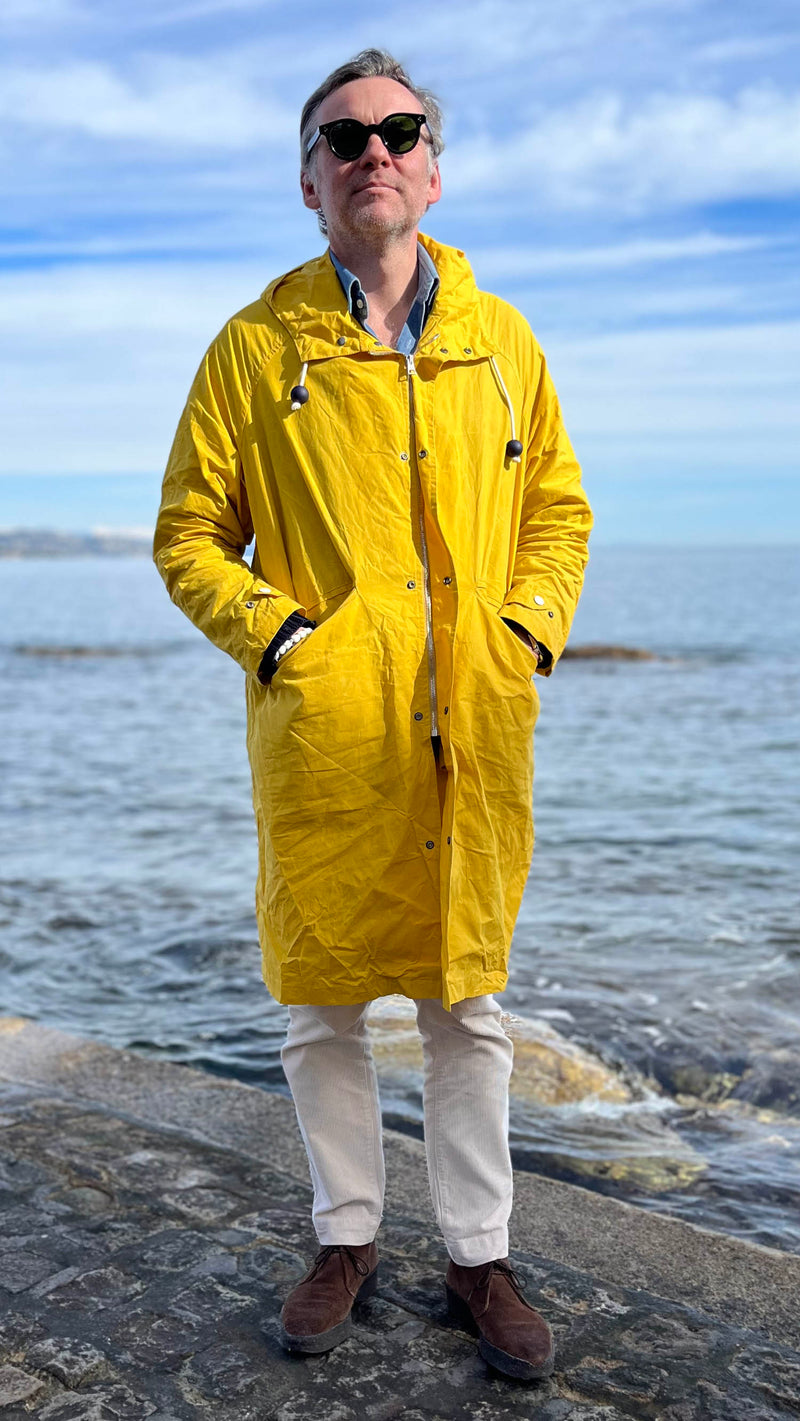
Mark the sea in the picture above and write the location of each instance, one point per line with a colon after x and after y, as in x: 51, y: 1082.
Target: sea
x: 659, y: 931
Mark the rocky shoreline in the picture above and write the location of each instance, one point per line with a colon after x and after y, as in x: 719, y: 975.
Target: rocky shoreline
x: 155, y: 1216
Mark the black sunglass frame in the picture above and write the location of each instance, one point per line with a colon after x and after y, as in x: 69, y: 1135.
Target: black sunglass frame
x: 366, y: 131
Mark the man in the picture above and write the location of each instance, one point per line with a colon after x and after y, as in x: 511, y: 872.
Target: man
x: 391, y: 437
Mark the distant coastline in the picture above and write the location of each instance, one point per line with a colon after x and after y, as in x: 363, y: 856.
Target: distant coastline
x: 44, y: 542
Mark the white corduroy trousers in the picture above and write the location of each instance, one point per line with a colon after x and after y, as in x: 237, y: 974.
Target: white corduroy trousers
x: 328, y: 1062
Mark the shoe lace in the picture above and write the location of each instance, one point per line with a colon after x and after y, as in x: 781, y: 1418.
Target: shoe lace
x: 484, y: 1280
x: 359, y: 1264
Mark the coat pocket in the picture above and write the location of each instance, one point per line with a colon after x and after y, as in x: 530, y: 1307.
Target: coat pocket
x: 321, y: 636
x: 525, y: 658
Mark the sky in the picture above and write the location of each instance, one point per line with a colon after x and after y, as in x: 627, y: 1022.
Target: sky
x: 626, y: 172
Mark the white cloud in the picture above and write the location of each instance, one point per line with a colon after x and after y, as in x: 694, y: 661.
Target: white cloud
x: 487, y: 35
x: 721, y: 395
x: 169, y: 102
x: 517, y: 262
x: 663, y: 151
x: 192, y: 299
x: 489, y: 263
x: 157, y: 13
x: 135, y: 530
x: 745, y: 47
x: 26, y: 14
x: 96, y: 361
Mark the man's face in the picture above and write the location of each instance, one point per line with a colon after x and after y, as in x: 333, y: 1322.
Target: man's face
x: 379, y: 196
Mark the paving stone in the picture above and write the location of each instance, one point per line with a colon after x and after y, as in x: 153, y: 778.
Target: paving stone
x: 116, y: 1403
x: 17, y: 1173
x: 270, y: 1266
x: 215, y: 1265
x: 20, y: 1269
x: 208, y: 1301
x: 87, y: 1199
x: 202, y: 1203
x: 49, y: 1285
x: 234, y: 1236
x: 226, y: 1370
x: 152, y: 1339
x: 99, y: 1288
x: 68, y: 1360
x: 302, y: 1406
x: 16, y: 1385
x: 173, y: 1249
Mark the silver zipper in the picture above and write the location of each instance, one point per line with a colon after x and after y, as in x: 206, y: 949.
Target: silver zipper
x: 411, y: 370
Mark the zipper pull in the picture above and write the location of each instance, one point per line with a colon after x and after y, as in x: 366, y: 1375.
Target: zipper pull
x: 410, y: 366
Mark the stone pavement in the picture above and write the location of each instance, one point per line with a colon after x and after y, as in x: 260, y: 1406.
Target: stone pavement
x: 155, y: 1216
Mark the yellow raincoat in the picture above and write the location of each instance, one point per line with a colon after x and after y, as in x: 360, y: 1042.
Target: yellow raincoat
x: 387, y: 509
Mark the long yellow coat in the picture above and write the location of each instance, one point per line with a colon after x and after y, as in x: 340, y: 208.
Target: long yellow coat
x: 387, y: 509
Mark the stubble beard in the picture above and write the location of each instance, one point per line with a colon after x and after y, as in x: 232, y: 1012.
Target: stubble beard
x: 375, y: 230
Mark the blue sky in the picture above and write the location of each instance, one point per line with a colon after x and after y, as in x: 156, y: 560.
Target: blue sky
x: 627, y: 172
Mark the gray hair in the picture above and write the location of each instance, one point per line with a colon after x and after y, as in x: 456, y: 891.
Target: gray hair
x: 369, y: 64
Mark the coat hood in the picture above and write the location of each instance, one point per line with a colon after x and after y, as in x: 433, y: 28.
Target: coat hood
x: 310, y: 303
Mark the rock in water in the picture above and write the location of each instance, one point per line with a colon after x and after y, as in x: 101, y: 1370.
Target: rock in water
x: 548, y: 1068
x: 626, y: 1148
x: 607, y: 653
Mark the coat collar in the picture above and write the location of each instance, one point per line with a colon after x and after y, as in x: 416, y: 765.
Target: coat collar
x: 310, y: 303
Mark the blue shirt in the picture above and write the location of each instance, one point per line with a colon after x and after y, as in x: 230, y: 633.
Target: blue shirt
x: 421, y: 308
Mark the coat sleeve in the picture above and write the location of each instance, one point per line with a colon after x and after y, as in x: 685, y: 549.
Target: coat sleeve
x: 204, y: 524
x: 554, y: 525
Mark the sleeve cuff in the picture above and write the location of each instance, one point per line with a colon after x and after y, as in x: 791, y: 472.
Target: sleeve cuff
x: 293, y: 622
x: 546, y: 657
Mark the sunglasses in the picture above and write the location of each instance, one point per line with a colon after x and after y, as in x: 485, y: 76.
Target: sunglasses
x: 347, y: 138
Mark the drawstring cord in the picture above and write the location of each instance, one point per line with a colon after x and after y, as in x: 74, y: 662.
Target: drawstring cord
x: 513, y: 447
x: 299, y: 393
x: 300, y: 396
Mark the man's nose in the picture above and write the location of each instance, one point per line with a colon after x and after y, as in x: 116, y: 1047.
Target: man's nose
x: 375, y: 153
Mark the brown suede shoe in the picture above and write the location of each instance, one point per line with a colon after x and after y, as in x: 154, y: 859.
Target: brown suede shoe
x: 488, y: 1301
x: 316, y: 1314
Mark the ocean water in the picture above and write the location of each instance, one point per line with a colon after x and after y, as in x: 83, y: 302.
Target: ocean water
x: 659, y: 929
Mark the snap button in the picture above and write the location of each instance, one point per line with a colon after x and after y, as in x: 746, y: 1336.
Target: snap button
x: 447, y: 581
x: 249, y: 604
x: 411, y: 584
x: 444, y: 350
x: 423, y: 453
x: 404, y: 456
x: 342, y: 340
x: 418, y: 715
x: 539, y: 601
x: 448, y: 838
x: 467, y: 349
x: 446, y: 709
x: 549, y: 614
x: 429, y: 844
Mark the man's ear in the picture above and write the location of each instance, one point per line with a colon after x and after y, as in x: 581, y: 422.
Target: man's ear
x: 309, y: 192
